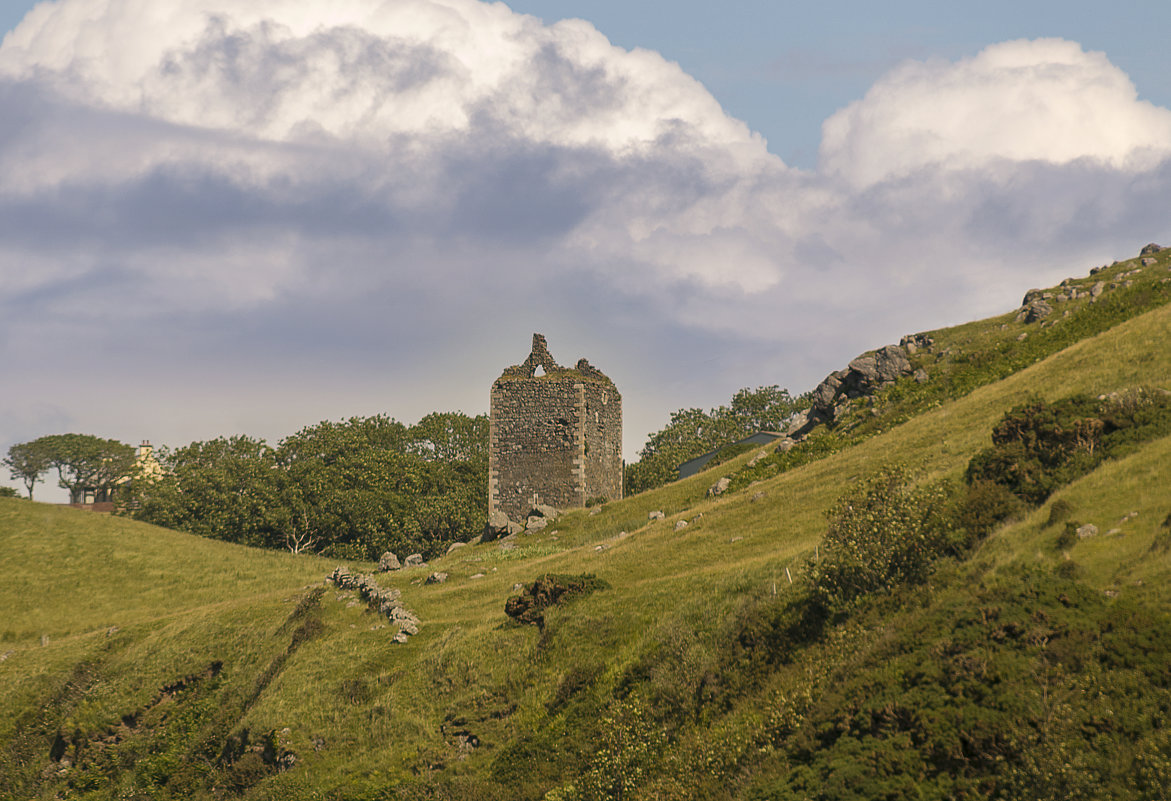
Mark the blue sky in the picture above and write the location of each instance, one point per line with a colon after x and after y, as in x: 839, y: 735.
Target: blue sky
x: 221, y: 217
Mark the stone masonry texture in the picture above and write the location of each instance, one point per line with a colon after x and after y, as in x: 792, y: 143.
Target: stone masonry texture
x: 555, y: 436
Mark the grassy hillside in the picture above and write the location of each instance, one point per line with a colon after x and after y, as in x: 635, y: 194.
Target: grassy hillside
x: 177, y: 667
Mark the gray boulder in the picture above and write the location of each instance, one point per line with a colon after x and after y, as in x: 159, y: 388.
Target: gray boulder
x: 455, y: 546
x: 680, y: 525
x: 720, y: 487
x: 1035, y: 310
x: 543, y: 510
x: 920, y: 376
x: 436, y: 578
x: 1097, y: 289
x: 1149, y: 261
x: 827, y: 390
x: 913, y: 343
x: 415, y: 560
x: 388, y: 562
x: 497, y: 526
x: 1086, y: 531
x: 655, y: 516
x: 1151, y: 249
x: 536, y: 523
x: 892, y: 364
x: 1031, y: 295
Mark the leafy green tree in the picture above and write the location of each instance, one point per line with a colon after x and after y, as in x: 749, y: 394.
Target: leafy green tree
x: 350, y: 489
x: 28, y: 461
x: 449, y: 437
x: 85, y: 462
x: 693, y: 432
x: 226, y: 488
x: 367, y: 485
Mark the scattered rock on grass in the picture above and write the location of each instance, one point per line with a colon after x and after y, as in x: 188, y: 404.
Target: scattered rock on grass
x: 720, y: 487
x: 498, y: 526
x: 1088, y: 530
x: 388, y: 562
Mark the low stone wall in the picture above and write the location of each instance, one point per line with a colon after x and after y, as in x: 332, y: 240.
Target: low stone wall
x: 380, y: 600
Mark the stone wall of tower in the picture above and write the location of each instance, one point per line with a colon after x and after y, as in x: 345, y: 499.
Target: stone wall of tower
x: 602, y: 453
x: 555, y: 438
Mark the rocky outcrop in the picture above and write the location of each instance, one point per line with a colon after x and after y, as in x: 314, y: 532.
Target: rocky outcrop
x: 549, y: 590
x: 863, y: 376
x: 389, y: 562
x: 913, y: 343
x: 1151, y: 249
x: 1034, y: 310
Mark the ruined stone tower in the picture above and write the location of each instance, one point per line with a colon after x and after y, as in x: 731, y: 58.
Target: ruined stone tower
x: 555, y: 436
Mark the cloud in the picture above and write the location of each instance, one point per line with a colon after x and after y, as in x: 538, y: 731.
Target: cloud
x: 1042, y: 100
x: 218, y: 217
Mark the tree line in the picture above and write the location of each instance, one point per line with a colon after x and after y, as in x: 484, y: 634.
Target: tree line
x: 351, y: 489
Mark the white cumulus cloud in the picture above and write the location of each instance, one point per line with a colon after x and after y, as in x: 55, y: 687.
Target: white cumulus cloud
x: 1043, y: 100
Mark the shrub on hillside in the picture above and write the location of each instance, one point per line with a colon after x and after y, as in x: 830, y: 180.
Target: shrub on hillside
x: 1068, y: 536
x: 1058, y: 512
x: 1043, y: 445
x: 982, y: 507
x: 882, y: 533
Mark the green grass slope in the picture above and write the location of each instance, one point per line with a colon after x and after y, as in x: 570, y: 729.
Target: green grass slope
x: 236, y: 673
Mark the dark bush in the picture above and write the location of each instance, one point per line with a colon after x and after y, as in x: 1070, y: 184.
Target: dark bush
x: 1162, y: 542
x: 1041, y: 446
x: 1059, y: 511
x: 983, y: 507
x: 1068, y: 536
